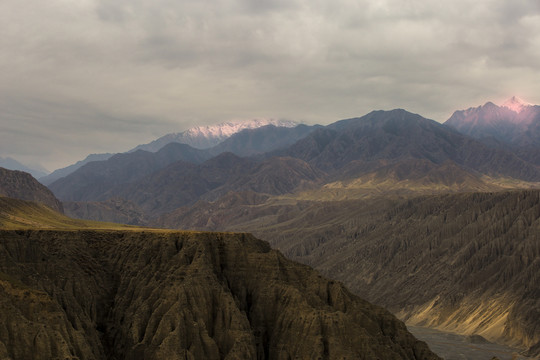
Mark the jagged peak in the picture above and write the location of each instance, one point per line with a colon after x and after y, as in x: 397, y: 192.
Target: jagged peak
x: 515, y: 104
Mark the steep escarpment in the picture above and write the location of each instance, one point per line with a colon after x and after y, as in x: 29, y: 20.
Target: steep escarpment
x: 176, y: 295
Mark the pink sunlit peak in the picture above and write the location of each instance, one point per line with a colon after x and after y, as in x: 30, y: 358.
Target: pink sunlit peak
x: 515, y: 104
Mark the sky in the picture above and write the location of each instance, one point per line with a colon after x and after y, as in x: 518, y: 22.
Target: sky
x: 94, y: 76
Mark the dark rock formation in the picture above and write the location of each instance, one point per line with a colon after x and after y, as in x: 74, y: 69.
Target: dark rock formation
x: 21, y: 185
x: 173, y: 295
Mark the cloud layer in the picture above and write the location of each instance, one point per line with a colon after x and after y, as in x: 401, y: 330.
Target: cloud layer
x: 86, y: 76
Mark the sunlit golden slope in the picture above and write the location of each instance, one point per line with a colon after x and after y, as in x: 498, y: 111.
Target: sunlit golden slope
x: 20, y: 214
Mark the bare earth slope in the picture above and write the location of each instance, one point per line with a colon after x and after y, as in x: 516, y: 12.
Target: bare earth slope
x: 177, y: 295
x: 74, y: 293
x: 467, y: 262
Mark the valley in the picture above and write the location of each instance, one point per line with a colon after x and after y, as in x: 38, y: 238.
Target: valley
x: 433, y: 260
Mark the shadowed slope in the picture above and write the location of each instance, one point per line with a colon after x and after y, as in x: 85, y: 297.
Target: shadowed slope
x: 21, y: 185
x: 172, y: 295
x: 463, y: 262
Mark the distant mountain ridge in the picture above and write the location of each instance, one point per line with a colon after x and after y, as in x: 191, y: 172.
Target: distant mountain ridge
x: 356, y: 146
x: 60, y: 173
x: 12, y: 164
x: 92, y: 180
x: 393, y: 151
x: 205, y: 137
x: 515, y: 122
x: 265, y: 135
x: 260, y: 140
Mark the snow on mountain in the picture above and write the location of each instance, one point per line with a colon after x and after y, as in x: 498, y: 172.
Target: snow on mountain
x: 515, y: 122
x: 515, y: 104
x: 204, y: 137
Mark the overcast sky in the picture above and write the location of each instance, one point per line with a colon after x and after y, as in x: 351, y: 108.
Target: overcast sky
x: 90, y: 76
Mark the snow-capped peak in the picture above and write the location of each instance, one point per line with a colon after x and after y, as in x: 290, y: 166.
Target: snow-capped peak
x: 204, y: 137
x: 226, y: 129
x: 515, y: 104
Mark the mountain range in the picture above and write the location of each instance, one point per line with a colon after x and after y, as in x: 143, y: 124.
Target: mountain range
x: 514, y: 122
x: 205, y: 137
x: 60, y: 173
x: 12, y: 164
x: 394, y: 151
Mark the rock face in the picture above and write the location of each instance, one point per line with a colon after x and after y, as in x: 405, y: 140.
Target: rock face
x: 20, y: 185
x: 179, y: 295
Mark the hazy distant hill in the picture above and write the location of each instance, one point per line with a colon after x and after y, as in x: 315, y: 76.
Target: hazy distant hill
x: 183, y: 183
x: 514, y: 122
x: 60, y: 173
x: 92, y: 180
x: 360, y: 145
x: 21, y: 185
x: 205, y: 137
x: 12, y: 164
x: 263, y: 139
x: 275, y: 136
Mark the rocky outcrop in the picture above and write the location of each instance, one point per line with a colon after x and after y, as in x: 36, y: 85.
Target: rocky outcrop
x: 21, y: 185
x: 180, y: 295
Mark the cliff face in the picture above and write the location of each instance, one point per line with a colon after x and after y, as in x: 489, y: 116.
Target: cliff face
x: 178, y: 295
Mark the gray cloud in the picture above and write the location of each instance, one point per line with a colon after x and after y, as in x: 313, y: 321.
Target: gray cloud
x: 100, y: 76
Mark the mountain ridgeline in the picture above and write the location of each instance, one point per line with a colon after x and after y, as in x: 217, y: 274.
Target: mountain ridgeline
x: 205, y: 137
x: 514, y: 122
x: 350, y: 153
